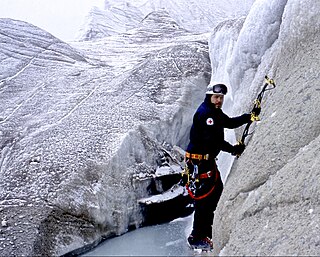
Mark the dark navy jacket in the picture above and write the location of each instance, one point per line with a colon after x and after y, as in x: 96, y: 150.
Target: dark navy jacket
x: 207, y: 131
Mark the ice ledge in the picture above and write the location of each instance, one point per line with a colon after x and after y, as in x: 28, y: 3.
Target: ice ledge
x: 172, y: 193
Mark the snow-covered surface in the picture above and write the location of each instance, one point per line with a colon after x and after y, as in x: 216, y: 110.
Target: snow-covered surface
x: 112, y: 21
x: 167, y: 170
x: 236, y: 49
x: 198, y: 16
x: 266, y: 203
x: 79, y: 123
x: 165, y: 196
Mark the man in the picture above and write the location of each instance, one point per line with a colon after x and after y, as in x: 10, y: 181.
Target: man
x: 206, y: 141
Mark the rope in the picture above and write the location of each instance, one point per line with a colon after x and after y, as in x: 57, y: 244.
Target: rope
x: 206, y: 194
x: 202, y: 196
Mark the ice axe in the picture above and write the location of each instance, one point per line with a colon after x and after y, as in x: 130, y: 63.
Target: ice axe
x: 268, y: 85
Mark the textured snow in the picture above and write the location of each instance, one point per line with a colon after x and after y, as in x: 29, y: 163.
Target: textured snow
x: 270, y: 205
x: 170, y: 194
x: 83, y: 126
x: 197, y: 16
x: 264, y: 207
x: 112, y: 21
x: 78, y: 122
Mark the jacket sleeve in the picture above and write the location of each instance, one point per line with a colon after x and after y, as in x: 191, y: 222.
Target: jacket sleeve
x: 235, y: 122
x: 226, y: 147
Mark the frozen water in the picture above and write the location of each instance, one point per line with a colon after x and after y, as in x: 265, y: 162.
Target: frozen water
x: 160, y: 240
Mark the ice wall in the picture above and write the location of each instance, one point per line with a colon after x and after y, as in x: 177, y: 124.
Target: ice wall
x: 270, y: 205
x: 236, y: 50
x: 83, y: 129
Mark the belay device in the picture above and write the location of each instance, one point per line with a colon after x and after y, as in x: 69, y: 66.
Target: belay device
x: 269, y: 85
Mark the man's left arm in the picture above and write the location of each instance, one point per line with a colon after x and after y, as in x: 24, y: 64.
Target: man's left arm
x: 235, y: 122
x: 226, y: 147
x: 233, y: 149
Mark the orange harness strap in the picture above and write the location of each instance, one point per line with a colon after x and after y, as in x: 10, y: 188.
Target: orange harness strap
x: 197, y: 156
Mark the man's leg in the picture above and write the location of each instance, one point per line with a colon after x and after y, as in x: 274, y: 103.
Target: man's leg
x: 204, y: 210
x: 211, y: 204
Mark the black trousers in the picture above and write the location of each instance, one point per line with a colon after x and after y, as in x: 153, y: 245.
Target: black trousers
x: 204, y: 208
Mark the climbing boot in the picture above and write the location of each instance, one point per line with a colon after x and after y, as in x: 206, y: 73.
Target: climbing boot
x: 204, y: 244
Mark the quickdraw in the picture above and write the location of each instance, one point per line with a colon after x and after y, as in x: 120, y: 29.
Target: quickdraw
x: 269, y: 85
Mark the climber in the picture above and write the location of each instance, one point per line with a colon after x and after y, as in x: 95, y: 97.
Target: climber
x: 206, y: 141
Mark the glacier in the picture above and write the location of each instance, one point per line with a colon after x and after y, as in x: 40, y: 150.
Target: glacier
x: 84, y: 125
x: 79, y: 126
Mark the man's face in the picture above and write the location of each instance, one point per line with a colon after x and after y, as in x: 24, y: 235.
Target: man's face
x: 217, y: 100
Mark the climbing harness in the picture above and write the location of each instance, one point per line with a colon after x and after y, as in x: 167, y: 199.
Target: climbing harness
x: 269, y: 85
x: 191, y: 170
x: 194, y: 178
x: 197, y: 156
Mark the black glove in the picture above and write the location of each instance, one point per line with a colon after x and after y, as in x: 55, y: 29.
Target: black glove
x: 238, y: 149
x: 256, y: 111
x: 248, y: 117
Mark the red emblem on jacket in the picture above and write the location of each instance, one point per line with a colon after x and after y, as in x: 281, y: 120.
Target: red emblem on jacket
x: 210, y: 121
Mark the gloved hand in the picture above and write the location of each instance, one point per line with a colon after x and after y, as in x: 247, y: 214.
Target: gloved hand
x: 256, y: 111
x: 238, y: 149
